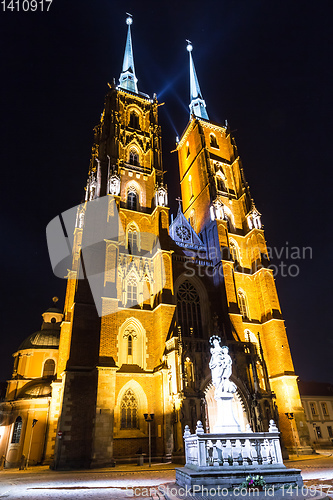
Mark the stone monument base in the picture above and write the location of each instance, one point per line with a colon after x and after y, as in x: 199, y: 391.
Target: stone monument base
x: 226, y: 421
x: 276, y: 476
x: 172, y: 491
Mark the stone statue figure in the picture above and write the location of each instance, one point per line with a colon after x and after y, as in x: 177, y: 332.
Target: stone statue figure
x: 114, y: 185
x: 220, y: 365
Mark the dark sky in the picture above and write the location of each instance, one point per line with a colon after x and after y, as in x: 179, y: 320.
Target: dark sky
x: 266, y: 66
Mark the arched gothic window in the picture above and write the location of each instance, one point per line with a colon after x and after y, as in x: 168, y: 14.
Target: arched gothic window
x: 250, y: 337
x: 132, y: 241
x: 132, y: 200
x: 49, y: 368
x: 188, y: 310
x: 234, y: 252
x: 129, y: 345
x: 227, y: 219
x: 134, y: 120
x: 213, y: 141
x: 243, y: 304
x: 189, y: 372
x: 17, y: 430
x: 129, y: 411
x: 132, y: 344
x: 132, y: 291
x: 134, y: 158
x: 220, y: 184
x: 190, y: 186
x: 192, y: 218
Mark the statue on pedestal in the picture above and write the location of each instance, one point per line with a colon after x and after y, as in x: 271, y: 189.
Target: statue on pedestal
x: 221, y: 368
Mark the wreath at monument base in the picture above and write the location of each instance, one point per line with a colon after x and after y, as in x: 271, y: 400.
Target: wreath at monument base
x: 254, y: 482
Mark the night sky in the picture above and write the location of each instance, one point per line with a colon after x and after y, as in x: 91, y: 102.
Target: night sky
x: 265, y: 66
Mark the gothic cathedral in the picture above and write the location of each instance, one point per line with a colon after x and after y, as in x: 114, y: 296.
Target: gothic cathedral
x: 145, y: 294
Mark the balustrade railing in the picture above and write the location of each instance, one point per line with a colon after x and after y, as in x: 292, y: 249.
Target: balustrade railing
x: 259, y: 449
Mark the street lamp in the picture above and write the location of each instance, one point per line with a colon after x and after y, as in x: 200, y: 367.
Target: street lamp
x: 34, y: 422
x: 149, y: 420
x: 290, y: 417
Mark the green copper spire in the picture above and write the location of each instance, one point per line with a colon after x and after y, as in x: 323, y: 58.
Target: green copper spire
x: 197, y: 105
x: 128, y: 80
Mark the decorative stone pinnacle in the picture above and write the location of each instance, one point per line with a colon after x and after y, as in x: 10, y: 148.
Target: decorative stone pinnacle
x: 187, y: 431
x: 199, y: 429
x: 272, y: 426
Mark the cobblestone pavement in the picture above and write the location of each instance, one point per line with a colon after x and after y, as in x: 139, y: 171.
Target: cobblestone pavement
x: 317, y: 472
x: 40, y: 483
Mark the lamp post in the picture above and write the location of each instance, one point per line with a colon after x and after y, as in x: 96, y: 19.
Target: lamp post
x: 149, y: 420
x: 290, y: 417
x: 34, y: 422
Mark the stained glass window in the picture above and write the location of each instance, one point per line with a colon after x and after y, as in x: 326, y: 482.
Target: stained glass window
x: 188, y: 308
x: 129, y: 411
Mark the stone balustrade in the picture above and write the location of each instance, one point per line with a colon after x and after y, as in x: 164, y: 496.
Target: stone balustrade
x: 258, y: 449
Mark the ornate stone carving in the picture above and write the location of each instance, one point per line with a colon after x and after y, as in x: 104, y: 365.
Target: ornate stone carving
x: 114, y: 185
x: 254, y: 218
x: 161, y: 196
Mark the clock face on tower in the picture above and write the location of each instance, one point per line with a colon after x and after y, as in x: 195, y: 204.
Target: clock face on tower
x: 183, y: 232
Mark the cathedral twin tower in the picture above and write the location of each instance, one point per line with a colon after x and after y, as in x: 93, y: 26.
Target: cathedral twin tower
x: 144, y: 295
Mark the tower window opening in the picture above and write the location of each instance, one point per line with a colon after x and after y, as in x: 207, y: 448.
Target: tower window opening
x: 234, y: 252
x: 188, y: 310
x: 17, y: 430
x: 134, y: 158
x: 220, y: 184
x: 49, y: 368
x: 243, y: 305
x: 229, y: 227
x: 132, y: 291
x: 213, y: 141
x: 134, y: 120
x: 192, y: 218
x: 132, y: 200
x: 130, y: 346
x: 132, y: 241
x: 190, y: 186
x: 129, y: 411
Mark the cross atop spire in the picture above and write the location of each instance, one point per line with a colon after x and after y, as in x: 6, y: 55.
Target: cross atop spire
x: 128, y: 80
x: 180, y: 201
x: 197, y: 104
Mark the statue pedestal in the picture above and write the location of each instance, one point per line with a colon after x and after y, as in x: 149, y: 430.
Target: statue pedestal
x: 226, y: 460
x: 226, y: 422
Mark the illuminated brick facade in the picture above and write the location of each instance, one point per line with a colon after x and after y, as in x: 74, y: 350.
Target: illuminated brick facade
x: 136, y: 341
x: 216, y: 198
